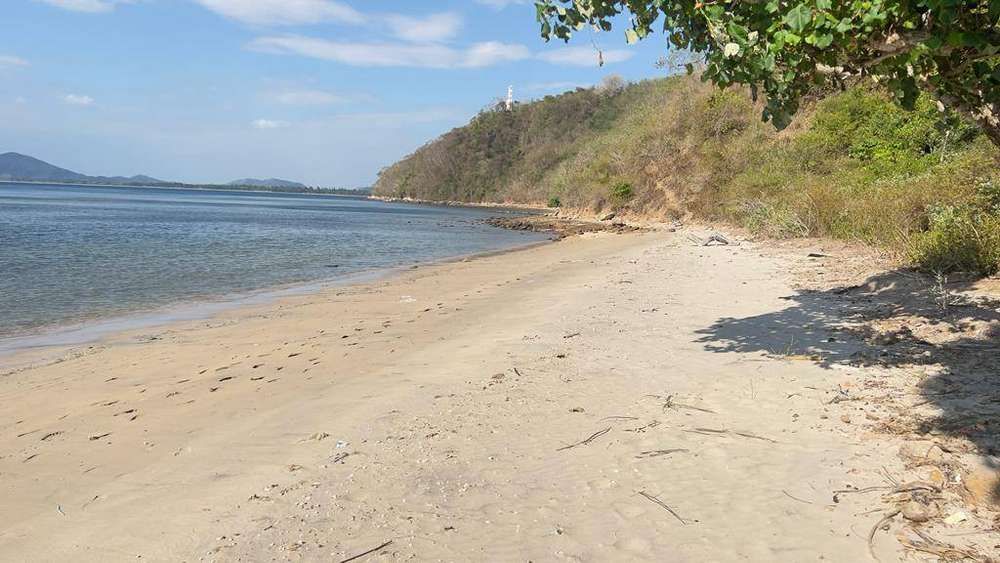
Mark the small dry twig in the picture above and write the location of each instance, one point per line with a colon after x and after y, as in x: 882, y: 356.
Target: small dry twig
x: 663, y: 505
x: 369, y: 552
x: 713, y: 432
x: 793, y: 497
x: 946, y: 552
x: 658, y: 453
x: 592, y: 437
x: 871, y: 535
x: 671, y: 404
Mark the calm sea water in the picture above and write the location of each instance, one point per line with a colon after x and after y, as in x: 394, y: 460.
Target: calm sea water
x: 75, y: 254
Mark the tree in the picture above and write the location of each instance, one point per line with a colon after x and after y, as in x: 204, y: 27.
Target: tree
x: 784, y: 48
x: 611, y: 85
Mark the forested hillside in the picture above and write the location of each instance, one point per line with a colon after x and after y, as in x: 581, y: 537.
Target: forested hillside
x: 853, y: 165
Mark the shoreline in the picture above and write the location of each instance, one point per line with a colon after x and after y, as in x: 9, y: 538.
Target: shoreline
x: 61, y: 340
x: 535, y: 404
x: 474, y: 205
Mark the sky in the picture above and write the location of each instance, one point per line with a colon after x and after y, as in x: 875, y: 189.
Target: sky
x: 325, y: 92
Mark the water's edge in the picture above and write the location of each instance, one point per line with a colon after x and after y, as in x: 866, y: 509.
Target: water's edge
x: 99, y: 330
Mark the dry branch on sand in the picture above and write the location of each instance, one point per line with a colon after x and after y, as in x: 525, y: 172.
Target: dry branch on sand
x: 590, y: 439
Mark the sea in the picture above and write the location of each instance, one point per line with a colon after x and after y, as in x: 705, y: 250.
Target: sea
x: 76, y: 260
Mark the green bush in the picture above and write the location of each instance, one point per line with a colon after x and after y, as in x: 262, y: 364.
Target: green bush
x: 962, y: 237
x: 621, y: 193
x: 554, y: 202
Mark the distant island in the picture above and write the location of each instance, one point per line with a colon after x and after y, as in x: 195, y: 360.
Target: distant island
x: 269, y: 183
x: 16, y: 167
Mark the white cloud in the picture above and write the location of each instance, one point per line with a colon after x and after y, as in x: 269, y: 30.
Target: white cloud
x: 269, y: 124
x: 494, y: 52
x: 92, y: 6
x: 385, y: 54
x: 12, y: 61
x: 432, y: 28
x: 284, y: 12
x: 78, y: 100
x: 309, y: 98
x: 584, y: 56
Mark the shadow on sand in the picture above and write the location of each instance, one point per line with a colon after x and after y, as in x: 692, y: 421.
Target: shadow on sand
x: 899, y: 319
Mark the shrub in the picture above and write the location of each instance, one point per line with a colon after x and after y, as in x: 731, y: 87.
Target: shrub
x: 554, y: 202
x: 621, y: 193
x: 772, y: 221
x: 960, y: 238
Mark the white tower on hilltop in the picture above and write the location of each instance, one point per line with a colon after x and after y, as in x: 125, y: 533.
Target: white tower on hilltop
x: 510, y: 98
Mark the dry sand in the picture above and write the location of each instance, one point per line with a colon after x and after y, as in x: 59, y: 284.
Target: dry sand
x: 605, y: 398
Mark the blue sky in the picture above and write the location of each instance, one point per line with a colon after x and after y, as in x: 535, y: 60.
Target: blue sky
x: 326, y: 92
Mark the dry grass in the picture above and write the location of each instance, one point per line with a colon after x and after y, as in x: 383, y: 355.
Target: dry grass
x: 853, y: 166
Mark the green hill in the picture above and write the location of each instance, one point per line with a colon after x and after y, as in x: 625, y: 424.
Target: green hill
x: 852, y: 166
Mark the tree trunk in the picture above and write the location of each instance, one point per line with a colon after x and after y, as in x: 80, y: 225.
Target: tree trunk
x: 991, y: 128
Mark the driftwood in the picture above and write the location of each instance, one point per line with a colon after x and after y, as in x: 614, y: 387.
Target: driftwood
x: 714, y: 238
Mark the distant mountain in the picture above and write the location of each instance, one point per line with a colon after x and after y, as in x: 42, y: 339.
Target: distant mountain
x: 269, y: 183
x: 22, y: 168
x: 14, y: 166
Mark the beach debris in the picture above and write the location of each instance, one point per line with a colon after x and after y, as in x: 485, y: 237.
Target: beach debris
x: 641, y: 429
x: 714, y: 239
x: 659, y: 453
x: 316, y: 437
x: 671, y: 404
x: 916, y: 511
x: 51, y: 435
x: 59, y: 508
x: 882, y: 524
x: 946, y: 552
x: 713, y: 432
x: 663, y: 505
x: 956, y: 518
x: 369, y: 552
x: 793, y: 497
x: 576, y: 409
x: 341, y: 444
x: 590, y: 439
x: 574, y: 335
x: 99, y: 436
x: 340, y: 457
x: 911, y: 487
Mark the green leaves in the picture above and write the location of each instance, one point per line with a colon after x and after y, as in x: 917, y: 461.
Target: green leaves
x: 783, y: 48
x: 798, y: 18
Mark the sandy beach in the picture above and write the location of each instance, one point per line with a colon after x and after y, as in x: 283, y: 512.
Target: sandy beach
x: 609, y: 397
